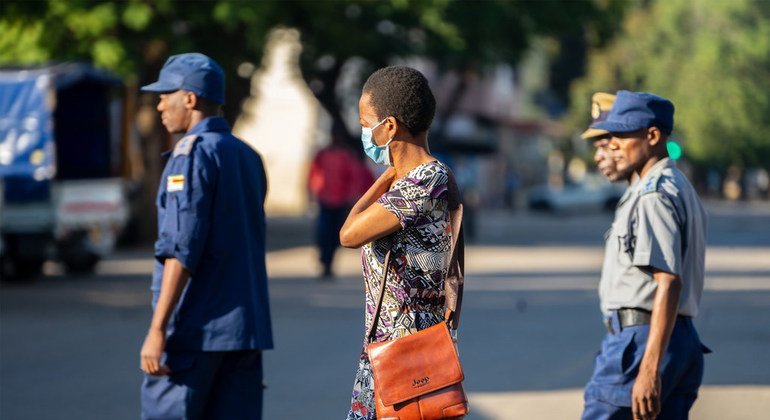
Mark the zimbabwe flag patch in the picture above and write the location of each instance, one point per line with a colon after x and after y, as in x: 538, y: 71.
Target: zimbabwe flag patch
x: 175, y: 183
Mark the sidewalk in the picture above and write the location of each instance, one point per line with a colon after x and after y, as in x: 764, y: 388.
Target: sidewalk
x: 729, y: 224
x: 714, y: 403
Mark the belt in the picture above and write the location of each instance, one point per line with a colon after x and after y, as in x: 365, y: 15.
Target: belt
x: 630, y: 317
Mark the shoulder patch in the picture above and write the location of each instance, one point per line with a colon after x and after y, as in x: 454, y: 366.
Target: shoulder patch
x: 185, y: 145
x: 651, y: 184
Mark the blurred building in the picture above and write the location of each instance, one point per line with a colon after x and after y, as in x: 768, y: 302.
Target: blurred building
x: 487, y: 126
x: 490, y: 131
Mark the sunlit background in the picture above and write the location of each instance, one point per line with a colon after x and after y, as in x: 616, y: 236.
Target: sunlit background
x: 80, y: 160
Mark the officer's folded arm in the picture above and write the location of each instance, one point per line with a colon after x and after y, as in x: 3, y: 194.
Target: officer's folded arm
x: 646, y: 393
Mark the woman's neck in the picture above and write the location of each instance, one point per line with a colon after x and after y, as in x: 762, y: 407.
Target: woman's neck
x: 407, y: 155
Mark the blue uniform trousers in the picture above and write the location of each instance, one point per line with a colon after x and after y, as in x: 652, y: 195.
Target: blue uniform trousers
x: 206, y: 385
x: 608, y: 393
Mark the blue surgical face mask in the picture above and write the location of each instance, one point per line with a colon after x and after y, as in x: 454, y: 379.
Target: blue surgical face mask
x: 379, y: 154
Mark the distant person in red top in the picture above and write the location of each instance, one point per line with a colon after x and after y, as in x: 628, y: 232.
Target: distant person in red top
x: 337, y: 179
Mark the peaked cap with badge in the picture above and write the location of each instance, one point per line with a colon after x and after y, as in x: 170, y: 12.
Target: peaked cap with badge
x: 637, y: 110
x: 601, y: 103
x: 193, y: 72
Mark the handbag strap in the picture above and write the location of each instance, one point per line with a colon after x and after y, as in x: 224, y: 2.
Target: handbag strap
x: 455, y: 279
x: 456, y: 269
x: 373, y: 328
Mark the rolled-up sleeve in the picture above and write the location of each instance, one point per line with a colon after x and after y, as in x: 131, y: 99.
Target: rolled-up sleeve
x: 658, y: 235
x: 195, y: 208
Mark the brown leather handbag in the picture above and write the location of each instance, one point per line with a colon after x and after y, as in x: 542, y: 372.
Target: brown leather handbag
x: 419, y: 376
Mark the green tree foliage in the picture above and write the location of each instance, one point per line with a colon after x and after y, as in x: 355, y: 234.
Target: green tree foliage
x: 711, y: 58
x: 134, y: 37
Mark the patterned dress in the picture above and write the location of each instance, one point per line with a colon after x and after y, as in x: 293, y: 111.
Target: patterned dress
x: 414, y: 295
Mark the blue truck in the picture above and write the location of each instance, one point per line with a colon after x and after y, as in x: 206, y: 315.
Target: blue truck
x: 61, y: 194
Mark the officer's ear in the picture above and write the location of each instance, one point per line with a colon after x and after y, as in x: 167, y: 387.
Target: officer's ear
x: 190, y: 101
x: 654, y: 136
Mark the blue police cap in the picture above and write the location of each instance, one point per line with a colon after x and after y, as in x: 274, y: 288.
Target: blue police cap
x: 194, y: 72
x: 636, y: 110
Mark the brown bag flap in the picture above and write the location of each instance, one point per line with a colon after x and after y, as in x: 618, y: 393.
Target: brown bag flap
x: 415, y: 365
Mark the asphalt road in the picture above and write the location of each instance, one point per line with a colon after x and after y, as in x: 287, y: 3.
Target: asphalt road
x: 69, y: 346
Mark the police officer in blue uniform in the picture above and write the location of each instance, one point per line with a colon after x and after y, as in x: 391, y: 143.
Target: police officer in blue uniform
x: 202, y: 355
x: 651, y: 361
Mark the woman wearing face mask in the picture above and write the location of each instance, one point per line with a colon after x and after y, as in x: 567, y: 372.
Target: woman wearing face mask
x: 406, y: 211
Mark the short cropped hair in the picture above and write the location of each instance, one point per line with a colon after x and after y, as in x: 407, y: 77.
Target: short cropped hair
x: 402, y: 92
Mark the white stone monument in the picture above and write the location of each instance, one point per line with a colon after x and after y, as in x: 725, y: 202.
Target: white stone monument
x: 280, y: 120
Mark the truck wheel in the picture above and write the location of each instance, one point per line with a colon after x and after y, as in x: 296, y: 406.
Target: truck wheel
x: 18, y: 270
x: 82, y: 264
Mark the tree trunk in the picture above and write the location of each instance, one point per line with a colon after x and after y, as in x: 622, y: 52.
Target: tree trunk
x: 327, y: 96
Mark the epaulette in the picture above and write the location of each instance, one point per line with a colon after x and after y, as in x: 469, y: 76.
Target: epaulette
x: 651, y: 184
x: 185, y: 145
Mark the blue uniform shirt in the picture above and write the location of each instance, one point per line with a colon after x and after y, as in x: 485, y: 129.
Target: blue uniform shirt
x: 211, y: 218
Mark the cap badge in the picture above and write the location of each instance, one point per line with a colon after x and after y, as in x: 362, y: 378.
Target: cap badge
x: 596, y: 110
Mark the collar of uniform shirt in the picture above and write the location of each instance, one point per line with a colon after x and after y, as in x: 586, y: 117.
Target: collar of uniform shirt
x: 656, y: 169
x: 207, y: 124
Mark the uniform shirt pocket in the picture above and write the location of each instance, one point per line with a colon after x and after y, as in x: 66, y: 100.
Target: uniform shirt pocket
x: 625, y: 242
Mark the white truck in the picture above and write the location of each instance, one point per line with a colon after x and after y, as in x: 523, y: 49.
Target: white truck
x: 61, y: 194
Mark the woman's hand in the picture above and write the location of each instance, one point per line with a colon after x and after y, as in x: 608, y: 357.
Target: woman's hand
x: 383, y: 183
x: 389, y: 174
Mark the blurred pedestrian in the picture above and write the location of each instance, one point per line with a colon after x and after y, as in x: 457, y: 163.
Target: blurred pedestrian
x: 405, y: 212
x: 651, y: 361
x: 202, y: 354
x: 337, y: 179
